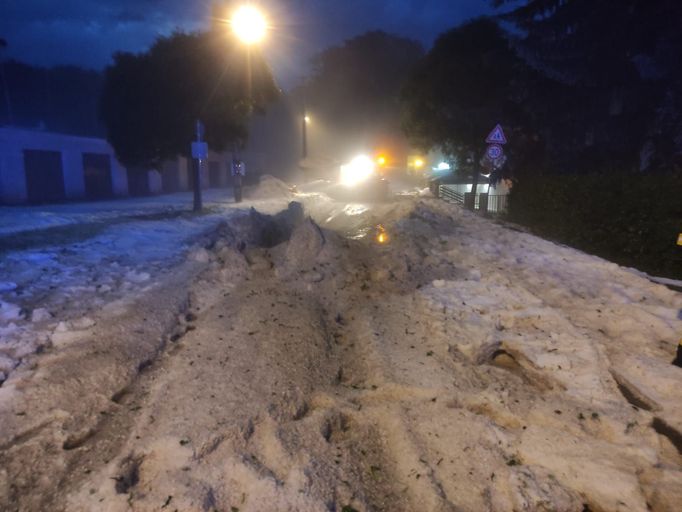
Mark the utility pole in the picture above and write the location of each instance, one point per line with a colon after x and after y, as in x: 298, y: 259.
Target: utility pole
x: 304, y: 128
x: 200, y: 153
x: 470, y: 198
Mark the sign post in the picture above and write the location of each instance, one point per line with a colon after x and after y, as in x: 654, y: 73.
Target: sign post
x: 495, y: 153
x: 200, y: 153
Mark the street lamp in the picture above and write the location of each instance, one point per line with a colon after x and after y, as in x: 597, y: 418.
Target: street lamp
x: 249, y: 25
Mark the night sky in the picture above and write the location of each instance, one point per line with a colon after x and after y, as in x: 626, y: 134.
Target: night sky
x: 87, y: 32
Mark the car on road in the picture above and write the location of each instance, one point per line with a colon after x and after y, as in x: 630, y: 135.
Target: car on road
x: 360, y: 180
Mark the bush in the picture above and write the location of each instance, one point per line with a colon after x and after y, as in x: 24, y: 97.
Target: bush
x: 632, y: 220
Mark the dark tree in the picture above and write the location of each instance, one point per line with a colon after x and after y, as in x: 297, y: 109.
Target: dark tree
x: 355, y: 87
x: 621, y: 106
x: 470, y: 81
x: 63, y: 99
x: 151, y: 101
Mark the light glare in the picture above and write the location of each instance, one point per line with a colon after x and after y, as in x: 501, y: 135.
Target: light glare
x: 249, y: 24
x: 358, y: 170
x: 382, y: 236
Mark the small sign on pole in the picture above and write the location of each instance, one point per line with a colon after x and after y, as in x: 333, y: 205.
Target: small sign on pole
x: 496, y: 136
x: 494, y: 152
x: 200, y: 150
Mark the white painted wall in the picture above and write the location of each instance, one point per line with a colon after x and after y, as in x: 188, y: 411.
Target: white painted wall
x: 221, y: 159
x: 184, y: 172
x: 119, y: 178
x: 13, y: 141
x: 12, y: 177
x: 155, y: 182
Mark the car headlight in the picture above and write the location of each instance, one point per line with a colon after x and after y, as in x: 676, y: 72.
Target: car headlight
x: 360, y: 169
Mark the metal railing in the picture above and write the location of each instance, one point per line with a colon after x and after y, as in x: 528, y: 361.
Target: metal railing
x: 496, y: 203
x: 450, y: 195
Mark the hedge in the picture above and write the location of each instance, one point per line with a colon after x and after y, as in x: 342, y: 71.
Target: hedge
x: 632, y: 220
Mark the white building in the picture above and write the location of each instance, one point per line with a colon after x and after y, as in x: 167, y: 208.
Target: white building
x: 42, y: 167
x: 39, y: 167
x: 176, y: 175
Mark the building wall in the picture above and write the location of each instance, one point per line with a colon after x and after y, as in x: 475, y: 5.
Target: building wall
x: 119, y: 178
x: 275, y: 140
x: 14, y: 141
x: 221, y: 160
x: 155, y: 182
x: 12, y: 177
x: 183, y: 169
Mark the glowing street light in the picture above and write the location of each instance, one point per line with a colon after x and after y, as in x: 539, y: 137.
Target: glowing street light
x: 249, y: 24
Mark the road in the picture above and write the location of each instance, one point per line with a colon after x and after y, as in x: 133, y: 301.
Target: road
x: 295, y: 364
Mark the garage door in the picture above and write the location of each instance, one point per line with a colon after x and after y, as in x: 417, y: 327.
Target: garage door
x: 44, y: 176
x: 97, y: 173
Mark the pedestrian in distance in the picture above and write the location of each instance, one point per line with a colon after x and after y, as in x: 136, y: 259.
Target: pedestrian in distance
x: 238, y: 173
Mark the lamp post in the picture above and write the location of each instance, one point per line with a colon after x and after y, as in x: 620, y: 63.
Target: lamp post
x: 304, y: 126
x: 249, y: 26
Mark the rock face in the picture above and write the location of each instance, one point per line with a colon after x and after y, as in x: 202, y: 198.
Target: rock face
x: 462, y: 367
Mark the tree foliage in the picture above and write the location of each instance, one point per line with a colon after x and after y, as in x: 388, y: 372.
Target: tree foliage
x: 621, y: 106
x: 355, y: 87
x: 61, y: 99
x: 585, y: 85
x: 469, y: 81
x: 582, y: 87
x: 631, y: 220
x: 151, y: 101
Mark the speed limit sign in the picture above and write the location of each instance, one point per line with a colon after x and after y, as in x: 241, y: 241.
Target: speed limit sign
x: 494, y: 152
